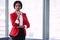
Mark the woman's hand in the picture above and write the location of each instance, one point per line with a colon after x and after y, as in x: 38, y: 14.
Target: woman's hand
x: 18, y: 13
x: 21, y: 27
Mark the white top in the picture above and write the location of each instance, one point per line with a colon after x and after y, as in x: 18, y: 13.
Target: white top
x: 21, y: 19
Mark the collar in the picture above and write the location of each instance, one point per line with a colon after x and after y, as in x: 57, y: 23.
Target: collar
x: 20, y: 12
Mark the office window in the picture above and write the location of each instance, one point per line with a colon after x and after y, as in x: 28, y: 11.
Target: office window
x: 54, y: 19
x: 34, y: 12
x: 2, y: 18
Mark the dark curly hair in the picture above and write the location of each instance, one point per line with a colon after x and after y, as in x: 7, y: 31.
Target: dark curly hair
x: 17, y: 2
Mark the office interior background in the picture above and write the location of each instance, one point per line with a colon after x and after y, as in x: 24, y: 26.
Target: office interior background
x: 35, y: 13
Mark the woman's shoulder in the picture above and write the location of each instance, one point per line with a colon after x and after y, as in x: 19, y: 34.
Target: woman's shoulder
x: 23, y: 13
x: 12, y: 13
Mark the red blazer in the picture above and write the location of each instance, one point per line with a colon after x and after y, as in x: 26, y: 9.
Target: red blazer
x: 15, y: 30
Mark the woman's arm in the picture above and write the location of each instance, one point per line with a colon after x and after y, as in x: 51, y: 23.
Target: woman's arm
x: 27, y: 22
x: 14, y: 24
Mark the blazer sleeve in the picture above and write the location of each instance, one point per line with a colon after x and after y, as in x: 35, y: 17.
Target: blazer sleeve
x: 27, y: 22
x: 13, y: 19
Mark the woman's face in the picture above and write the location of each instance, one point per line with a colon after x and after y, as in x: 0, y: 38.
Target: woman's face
x: 17, y: 7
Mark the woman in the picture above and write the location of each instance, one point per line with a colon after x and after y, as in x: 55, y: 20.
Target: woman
x: 19, y: 22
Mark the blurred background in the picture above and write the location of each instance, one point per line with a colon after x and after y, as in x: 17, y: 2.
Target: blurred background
x: 34, y: 11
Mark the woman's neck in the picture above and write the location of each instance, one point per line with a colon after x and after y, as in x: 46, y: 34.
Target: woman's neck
x: 18, y: 12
